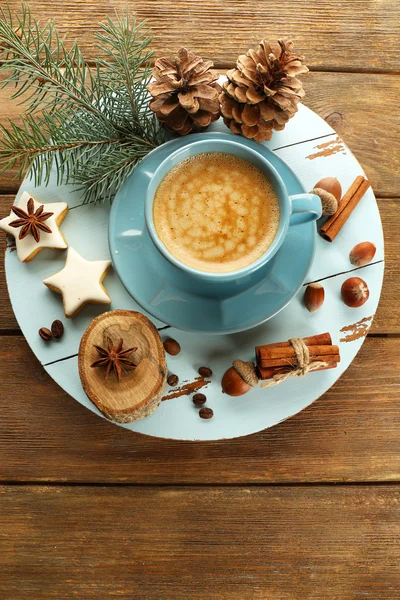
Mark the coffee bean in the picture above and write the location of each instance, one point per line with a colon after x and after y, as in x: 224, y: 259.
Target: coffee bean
x: 206, y: 413
x: 172, y: 347
x: 45, y: 334
x: 205, y: 372
x: 173, y: 380
x: 57, y: 329
x: 199, y: 399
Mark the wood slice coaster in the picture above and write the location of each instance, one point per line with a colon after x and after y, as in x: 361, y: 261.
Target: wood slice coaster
x: 140, y: 390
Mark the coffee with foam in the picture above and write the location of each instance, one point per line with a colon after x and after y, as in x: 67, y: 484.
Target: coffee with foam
x: 216, y: 212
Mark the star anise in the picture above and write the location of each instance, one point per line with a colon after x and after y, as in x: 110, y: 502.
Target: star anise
x: 31, y: 222
x: 114, y: 358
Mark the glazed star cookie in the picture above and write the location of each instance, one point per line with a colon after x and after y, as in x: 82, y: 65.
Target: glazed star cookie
x: 35, y: 226
x: 80, y: 282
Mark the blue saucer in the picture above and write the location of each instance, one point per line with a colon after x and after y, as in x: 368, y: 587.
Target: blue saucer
x: 137, y: 262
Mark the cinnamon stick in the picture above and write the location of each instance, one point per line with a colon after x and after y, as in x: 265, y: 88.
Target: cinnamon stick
x: 268, y: 372
x: 323, y: 339
x: 352, y: 197
x: 280, y: 357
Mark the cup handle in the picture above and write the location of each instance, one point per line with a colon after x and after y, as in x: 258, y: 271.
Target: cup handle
x: 304, y: 208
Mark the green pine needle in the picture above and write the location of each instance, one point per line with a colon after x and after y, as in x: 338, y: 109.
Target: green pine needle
x: 92, y: 124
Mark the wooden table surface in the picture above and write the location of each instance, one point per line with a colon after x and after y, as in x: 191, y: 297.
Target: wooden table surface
x: 309, y: 509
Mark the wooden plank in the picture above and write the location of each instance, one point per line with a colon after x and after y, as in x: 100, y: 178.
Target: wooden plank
x: 222, y: 29
x: 332, y: 96
x: 9, y: 181
x: 386, y: 320
x: 219, y: 543
x: 7, y: 318
x: 350, y: 105
x: 9, y: 109
x: 351, y: 434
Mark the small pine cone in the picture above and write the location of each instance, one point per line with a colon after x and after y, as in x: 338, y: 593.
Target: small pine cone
x: 261, y: 94
x: 185, y: 92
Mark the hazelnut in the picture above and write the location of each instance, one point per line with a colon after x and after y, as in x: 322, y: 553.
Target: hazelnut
x: 355, y: 292
x: 233, y: 384
x: 172, y: 347
x: 362, y: 254
x: 331, y: 185
x: 314, y: 296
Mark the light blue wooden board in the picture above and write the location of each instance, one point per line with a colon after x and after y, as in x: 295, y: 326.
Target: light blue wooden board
x: 85, y: 229
x: 365, y: 221
x: 260, y: 408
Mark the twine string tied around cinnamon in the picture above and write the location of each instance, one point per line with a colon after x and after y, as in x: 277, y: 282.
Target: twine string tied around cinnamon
x: 304, y: 364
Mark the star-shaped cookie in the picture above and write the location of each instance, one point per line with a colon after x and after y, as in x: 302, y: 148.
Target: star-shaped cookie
x: 80, y: 282
x: 27, y: 246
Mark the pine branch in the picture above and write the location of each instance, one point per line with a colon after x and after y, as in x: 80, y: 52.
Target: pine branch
x: 40, y: 63
x: 128, y: 51
x: 96, y: 177
x: 93, y: 124
x: 51, y: 136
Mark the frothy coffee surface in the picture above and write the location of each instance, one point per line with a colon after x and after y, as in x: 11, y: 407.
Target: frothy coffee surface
x: 216, y: 212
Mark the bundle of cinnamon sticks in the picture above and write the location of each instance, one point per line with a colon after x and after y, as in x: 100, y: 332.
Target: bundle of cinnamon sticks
x: 279, y: 358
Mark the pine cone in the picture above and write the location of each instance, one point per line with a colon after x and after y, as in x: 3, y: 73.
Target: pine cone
x: 185, y: 93
x: 262, y: 93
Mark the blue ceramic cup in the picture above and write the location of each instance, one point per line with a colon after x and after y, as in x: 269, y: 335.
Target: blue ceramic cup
x: 294, y: 210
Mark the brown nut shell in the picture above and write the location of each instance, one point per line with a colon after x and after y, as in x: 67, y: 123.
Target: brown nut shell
x: 233, y: 384
x: 355, y: 292
x: 314, y: 297
x: 362, y: 254
x: 331, y: 185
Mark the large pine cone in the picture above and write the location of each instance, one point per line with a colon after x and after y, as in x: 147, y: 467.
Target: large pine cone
x: 185, y: 93
x: 262, y: 93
